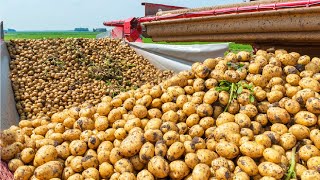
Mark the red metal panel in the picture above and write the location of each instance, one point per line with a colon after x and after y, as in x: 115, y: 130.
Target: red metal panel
x: 117, y: 33
x: 152, y: 9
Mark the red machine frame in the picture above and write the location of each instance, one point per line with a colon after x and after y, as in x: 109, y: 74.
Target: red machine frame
x: 131, y: 28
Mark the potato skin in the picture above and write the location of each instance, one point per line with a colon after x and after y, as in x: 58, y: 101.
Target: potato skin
x: 175, y: 151
x: 278, y: 115
x: 248, y: 165
x: 145, y: 175
x: 45, y: 154
x: 312, y: 105
x: 314, y: 163
x: 252, y: 149
x: 105, y: 170
x: 158, y: 167
x: 178, y: 169
x: 132, y: 144
x: 270, y: 169
x: 201, y: 172
x: 310, y: 175
x: 305, y: 118
x: 227, y: 150
x: 23, y: 173
x: 52, y: 169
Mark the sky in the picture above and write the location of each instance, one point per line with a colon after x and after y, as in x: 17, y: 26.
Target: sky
x: 67, y: 14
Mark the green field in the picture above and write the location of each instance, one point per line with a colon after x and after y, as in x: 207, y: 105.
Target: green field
x: 70, y: 34
x: 40, y: 35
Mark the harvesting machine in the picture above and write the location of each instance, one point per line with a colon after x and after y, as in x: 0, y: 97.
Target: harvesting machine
x: 290, y: 24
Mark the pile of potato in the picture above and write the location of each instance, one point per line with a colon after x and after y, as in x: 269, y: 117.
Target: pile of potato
x: 238, y: 117
x: 50, y: 75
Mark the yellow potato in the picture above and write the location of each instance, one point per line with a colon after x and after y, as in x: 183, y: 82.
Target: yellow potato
x: 158, y: 167
x: 271, y: 169
x: 45, y: 154
x: 248, y: 165
x: 23, y: 173
x: 52, y: 169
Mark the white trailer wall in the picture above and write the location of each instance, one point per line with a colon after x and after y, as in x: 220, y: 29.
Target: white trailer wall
x: 8, y: 112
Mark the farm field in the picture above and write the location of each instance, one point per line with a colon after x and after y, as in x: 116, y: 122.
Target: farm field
x: 65, y: 34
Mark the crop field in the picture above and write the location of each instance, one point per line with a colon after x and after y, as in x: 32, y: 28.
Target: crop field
x: 70, y: 34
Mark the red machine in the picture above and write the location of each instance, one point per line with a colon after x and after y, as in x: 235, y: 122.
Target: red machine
x: 131, y: 29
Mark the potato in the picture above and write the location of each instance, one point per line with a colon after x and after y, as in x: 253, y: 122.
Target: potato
x: 171, y: 116
x: 146, y: 152
x: 223, y: 173
x: 224, y: 118
x: 127, y: 175
x: 76, y: 164
x: 67, y: 172
x: 211, y: 96
x: 288, y: 141
x: 131, y: 145
x: 227, y: 150
x: 243, y: 120
x: 27, y: 155
x: 200, y: 172
x: 241, y: 176
x: 78, y: 147
x: 299, y: 131
x: 249, y: 109
x: 196, y: 131
x: 270, y: 169
x: 170, y: 137
x: 175, y: 151
x: 10, y: 151
x: 278, y: 115
x: 315, y: 137
x: 89, y: 161
x: 299, y: 169
x: 293, y: 79
x: 252, y: 149
x: 310, y: 175
x: 84, y: 123
x: 263, y: 140
x: 206, y: 156
x: 91, y: 173
x: 192, y: 120
x: 178, y: 169
x: 159, y: 167
x: 309, y: 83
x: 123, y: 165
x: 247, y: 165
x: 101, y: 123
x: 76, y: 176
x: 272, y: 155
x: 303, y: 95
x: 153, y: 135
x: 13, y: 164
x: 23, y: 173
x: 308, y: 151
x: 292, y: 106
x: 160, y: 148
x: 153, y: 123
x: 71, y: 134
x: 191, y: 160
x: 204, y: 110
x: 145, y: 175
x: 52, y: 169
x: 305, y: 118
x: 189, y: 108
x: 45, y: 154
x: 312, y: 105
x: 105, y: 170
